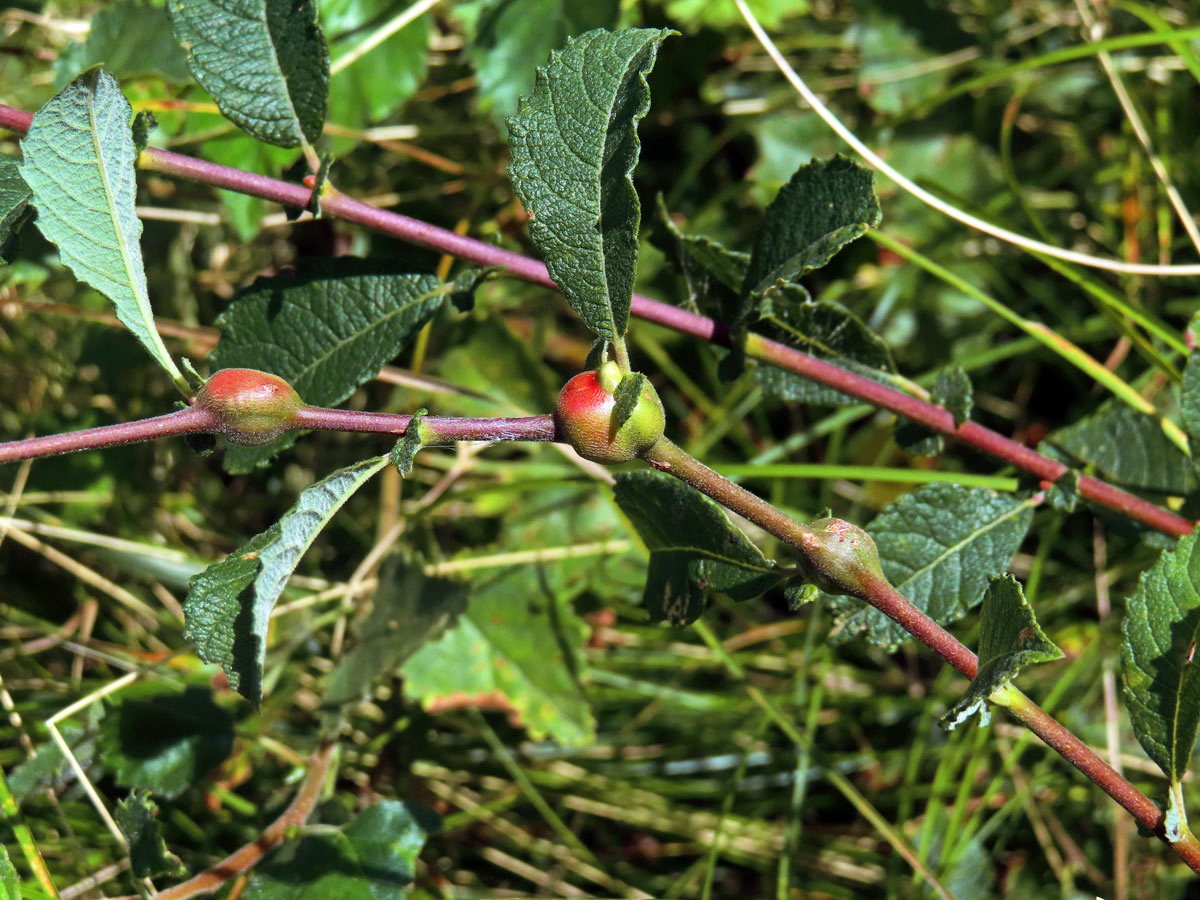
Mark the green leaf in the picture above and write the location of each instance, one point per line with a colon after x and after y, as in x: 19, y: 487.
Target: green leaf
x: 712, y: 274
x: 511, y: 35
x: 626, y: 398
x: 1010, y: 639
x: 952, y: 391
x: 14, y: 206
x: 826, y: 205
x: 48, y: 767
x: 887, y: 48
x: 130, y: 38
x: 372, y: 858
x: 377, y: 83
x: 1189, y: 401
x: 264, y: 62
x: 404, y: 454
x: 693, y: 547
x: 1129, y: 448
x: 228, y: 622
x: 217, y: 614
x: 10, y: 882
x: 79, y: 161
x: 409, y: 608
x: 1162, y: 682
x: 325, y: 331
x: 939, y: 545
x: 824, y: 329
x: 574, y: 144
x: 505, y: 650
x: 137, y: 816
x: 163, y: 740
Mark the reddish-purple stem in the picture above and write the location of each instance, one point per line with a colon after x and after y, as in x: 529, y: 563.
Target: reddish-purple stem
x: 435, y: 429
x: 184, y: 421
x: 418, y: 232
x: 194, y: 419
x: 876, y: 590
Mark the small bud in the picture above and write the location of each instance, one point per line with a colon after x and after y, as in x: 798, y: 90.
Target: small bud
x: 839, y: 555
x: 251, y: 407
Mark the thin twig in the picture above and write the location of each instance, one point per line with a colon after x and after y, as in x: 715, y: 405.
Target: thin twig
x: 248, y: 856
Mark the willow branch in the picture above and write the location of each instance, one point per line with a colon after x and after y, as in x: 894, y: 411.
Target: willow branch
x: 195, y: 420
x: 758, y: 347
x: 873, y: 588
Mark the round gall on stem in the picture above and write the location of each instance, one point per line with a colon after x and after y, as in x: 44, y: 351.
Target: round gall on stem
x: 583, y: 418
x: 251, y: 407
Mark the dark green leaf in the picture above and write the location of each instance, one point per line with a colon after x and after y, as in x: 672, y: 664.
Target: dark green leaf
x: 404, y: 454
x: 938, y: 546
x: 218, y: 615
x: 467, y: 280
x: 264, y: 62
x: 1162, y: 682
x: 824, y: 329
x: 372, y: 858
x: 693, y: 547
x: 328, y: 330
x: 574, y: 144
x: 505, y: 651
x: 137, y: 815
x: 227, y: 621
x: 1010, y: 639
x: 512, y: 36
x: 826, y: 205
x: 952, y: 391
x: 1064, y: 493
x: 14, y: 206
x: 129, y: 38
x: 163, y: 740
x: 712, y: 275
x: 1129, y: 448
x: 79, y: 158
x: 409, y: 608
x: 1189, y: 402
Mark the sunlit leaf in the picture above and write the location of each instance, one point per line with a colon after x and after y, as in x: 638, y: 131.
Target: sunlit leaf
x: 574, y: 144
x: 264, y: 61
x: 79, y: 163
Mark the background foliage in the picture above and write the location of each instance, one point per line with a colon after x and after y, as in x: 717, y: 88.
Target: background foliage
x: 571, y: 748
